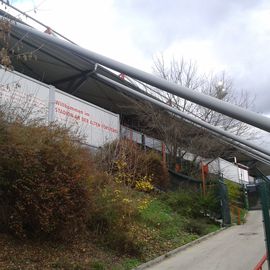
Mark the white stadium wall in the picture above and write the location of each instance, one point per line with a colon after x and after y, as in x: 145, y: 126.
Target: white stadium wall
x: 97, y: 125
x: 229, y: 171
x: 23, y: 94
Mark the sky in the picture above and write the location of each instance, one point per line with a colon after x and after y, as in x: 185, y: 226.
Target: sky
x: 231, y: 36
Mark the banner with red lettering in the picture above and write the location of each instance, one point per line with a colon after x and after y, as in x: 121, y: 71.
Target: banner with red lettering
x: 97, y: 125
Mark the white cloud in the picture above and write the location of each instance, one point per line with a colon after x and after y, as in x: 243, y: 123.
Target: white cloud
x: 200, y: 51
x: 93, y: 25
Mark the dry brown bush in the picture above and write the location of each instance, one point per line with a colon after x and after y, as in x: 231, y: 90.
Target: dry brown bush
x: 43, y: 180
x: 128, y: 161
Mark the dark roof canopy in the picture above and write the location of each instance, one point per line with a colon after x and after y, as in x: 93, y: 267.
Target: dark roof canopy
x: 66, y: 70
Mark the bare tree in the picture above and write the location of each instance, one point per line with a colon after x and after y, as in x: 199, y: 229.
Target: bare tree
x: 219, y: 86
x: 10, y: 51
x: 179, y: 72
x: 183, y: 140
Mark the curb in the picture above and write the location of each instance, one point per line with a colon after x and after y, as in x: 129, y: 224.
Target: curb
x: 177, y: 250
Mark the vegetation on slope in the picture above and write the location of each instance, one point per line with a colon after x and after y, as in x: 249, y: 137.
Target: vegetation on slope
x: 63, y: 208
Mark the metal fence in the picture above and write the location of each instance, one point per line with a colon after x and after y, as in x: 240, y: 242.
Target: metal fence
x: 141, y: 138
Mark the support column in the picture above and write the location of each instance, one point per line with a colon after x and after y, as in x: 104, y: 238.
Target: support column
x: 51, y: 104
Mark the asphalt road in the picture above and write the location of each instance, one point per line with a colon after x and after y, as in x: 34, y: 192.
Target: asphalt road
x: 236, y: 248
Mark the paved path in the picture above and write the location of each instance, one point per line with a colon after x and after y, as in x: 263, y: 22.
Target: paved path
x: 236, y: 248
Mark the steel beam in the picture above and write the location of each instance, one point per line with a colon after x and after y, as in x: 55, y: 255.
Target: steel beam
x: 246, y: 152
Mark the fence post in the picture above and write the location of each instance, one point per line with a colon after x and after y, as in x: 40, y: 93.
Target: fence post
x: 238, y: 216
x: 225, y: 209
x: 131, y: 135
x: 143, y: 142
x: 203, y: 179
x: 266, y: 220
x: 164, y: 153
x: 246, y: 198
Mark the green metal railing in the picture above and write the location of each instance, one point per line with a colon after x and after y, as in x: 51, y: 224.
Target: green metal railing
x: 264, y: 190
x: 264, y: 193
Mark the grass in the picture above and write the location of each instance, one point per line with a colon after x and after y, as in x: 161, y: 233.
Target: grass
x: 98, y: 266
x: 161, y: 218
x: 127, y: 264
x: 157, y: 214
x: 171, y: 229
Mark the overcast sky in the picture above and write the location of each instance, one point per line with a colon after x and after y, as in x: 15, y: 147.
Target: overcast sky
x: 231, y: 35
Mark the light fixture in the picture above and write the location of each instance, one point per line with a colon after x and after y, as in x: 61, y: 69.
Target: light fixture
x: 221, y: 91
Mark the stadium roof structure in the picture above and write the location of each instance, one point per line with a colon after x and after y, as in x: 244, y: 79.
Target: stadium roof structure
x: 66, y: 70
x: 74, y: 73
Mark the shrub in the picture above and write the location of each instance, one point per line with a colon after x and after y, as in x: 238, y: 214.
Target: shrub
x: 235, y: 193
x: 112, y: 206
x: 153, y: 165
x: 113, y: 214
x: 50, y: 188
x: 195, y: 226
x: 133, y: 166
x: 43, y: 173
x: 210, y: 203
x: 193, y: 204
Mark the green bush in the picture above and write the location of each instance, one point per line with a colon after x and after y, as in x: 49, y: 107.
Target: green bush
x: 43, y: 177
x: 193, y: 204
x: 210, y: 203
x: 235, y: 193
